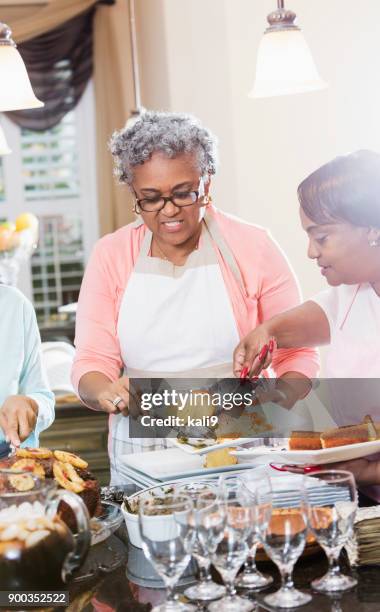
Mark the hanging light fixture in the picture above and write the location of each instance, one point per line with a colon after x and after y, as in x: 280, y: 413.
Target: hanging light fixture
x: 4, y: 148
x: 139, y: 109
x: 284, y: 62
x: 16, y: 91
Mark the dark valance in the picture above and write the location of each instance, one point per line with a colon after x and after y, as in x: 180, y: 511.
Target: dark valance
x: 59, y: 64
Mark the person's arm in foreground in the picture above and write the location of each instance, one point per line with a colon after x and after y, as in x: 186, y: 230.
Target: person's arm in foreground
x: 97, y: 364
x: 293, y: 364
x: 33, y: 408
x: 303, y: 326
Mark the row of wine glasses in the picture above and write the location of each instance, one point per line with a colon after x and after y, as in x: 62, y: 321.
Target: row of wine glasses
x: 222, y: 523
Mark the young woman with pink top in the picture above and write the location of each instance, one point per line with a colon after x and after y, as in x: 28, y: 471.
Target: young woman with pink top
x: 340, y: 211
x: 171, y: 294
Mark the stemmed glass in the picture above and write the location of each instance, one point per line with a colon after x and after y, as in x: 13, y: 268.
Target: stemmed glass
x: 206, y: 589
x: 331, y: 519
x: 251, y: 578
x: 224, y: 525
x: 284, y: 539
x: 167, y: 534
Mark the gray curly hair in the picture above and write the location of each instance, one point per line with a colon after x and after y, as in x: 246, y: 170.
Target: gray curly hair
x: 169, y: 133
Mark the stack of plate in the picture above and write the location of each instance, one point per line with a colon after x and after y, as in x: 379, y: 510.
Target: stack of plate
x: 155, y: 467
x: 287, y: 493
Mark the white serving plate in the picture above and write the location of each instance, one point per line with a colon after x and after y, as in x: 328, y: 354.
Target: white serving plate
x: 188, y: 448
x: 312, y: 457
x: 138, y: 478
x: 170, y: 464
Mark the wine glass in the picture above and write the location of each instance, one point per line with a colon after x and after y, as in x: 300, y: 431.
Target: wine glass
x: 251, y: 578
x: 167, y: 534
x: 206, y: 589
x: 284, y: 539
x: 224, y: 525
x: 331, y: 511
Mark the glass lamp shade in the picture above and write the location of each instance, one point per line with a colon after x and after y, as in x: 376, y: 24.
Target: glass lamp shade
x: 4, y: 149
x: 16, y: 91
x: 284, y: 66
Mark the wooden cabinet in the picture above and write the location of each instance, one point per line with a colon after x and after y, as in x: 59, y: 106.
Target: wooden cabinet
x: 82, y: 431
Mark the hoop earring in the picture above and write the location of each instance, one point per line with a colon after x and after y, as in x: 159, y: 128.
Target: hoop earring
x: 207, y: 199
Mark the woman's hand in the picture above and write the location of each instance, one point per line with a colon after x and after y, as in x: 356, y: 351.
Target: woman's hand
x: 117, y: 389
x: 18, y: 417
x: 365, y: 472
x: 254, y: 353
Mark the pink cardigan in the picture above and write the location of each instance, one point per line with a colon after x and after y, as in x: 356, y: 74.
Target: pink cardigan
x: 270, y: 288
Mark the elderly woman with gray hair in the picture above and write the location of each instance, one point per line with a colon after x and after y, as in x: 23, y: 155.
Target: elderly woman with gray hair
x: 171, y: 294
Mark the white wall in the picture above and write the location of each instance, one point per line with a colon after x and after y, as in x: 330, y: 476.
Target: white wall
x: 199, y: 56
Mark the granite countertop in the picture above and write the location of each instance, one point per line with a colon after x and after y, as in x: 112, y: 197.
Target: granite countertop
x: 132, y: 587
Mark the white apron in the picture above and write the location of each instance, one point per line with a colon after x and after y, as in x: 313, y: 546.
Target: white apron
x: 174, y: 322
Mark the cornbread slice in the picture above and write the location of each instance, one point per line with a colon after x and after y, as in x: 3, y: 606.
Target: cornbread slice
x: 343, y: 436
x: 305, y: 440
x: 219, y: 458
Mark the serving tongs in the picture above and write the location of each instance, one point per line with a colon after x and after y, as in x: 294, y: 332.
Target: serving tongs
x: 7, y: 450
x: 230, y: 386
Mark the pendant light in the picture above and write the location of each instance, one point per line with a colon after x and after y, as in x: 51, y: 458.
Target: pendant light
x: 139, y: 109
x: 284, y: 61
x: 16, y: 92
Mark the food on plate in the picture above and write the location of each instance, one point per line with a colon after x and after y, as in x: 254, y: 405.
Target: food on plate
x: 342, y: 436
x: 44, y: 463
x: 305, y: 440
x: 233, y: 435
x: 67, y: 477
x: 367, y: 431
x: 197, y: 443
x: 260, y: 423
x: 219, y: 458
x: 34, y: 453
x: 158, y: 499
x: 199, y: 405
x: 74, y: 460
x: 246, y: 425
x: 29, y: 465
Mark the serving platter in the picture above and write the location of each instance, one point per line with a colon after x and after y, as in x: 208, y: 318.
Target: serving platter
x: 170, y: 464
x: 282, y: 454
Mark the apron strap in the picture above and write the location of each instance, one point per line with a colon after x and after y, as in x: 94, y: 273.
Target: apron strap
x: 146, y: 244
x: 216, y: 235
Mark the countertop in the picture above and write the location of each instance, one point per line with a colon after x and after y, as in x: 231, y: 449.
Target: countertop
x: 129, y: 587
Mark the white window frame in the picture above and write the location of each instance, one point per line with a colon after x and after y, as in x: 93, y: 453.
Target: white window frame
x: 85, y: 206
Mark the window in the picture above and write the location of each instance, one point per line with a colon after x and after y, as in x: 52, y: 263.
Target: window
x: 57, y: 265
x: 52, y: 174
x: 50, y: 162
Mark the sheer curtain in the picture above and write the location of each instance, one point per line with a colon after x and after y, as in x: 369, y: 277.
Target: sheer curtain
x: 114, y: 101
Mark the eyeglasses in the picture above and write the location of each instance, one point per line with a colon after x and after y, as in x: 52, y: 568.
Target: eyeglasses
x: 179, y: 198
